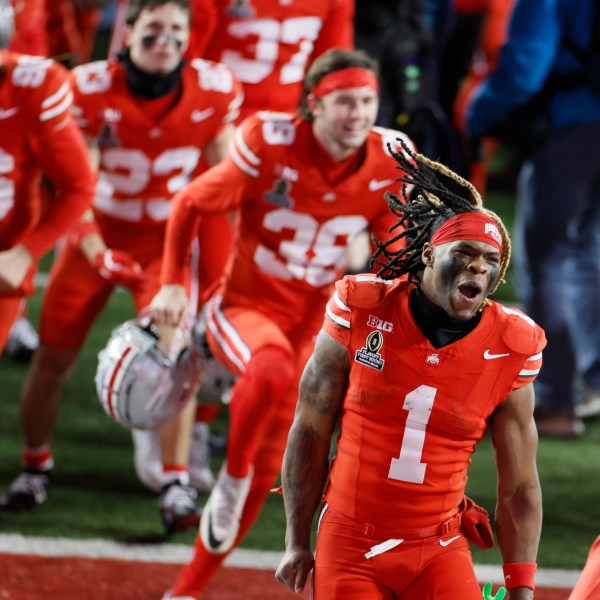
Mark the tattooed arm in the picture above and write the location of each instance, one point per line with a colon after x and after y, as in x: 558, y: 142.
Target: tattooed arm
x: 306, y: 459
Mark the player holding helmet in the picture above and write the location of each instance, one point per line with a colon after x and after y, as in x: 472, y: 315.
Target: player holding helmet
x: 150, y: 118
x: 305, y: 190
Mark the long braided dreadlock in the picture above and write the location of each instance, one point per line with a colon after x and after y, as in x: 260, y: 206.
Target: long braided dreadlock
x: 421, y: 211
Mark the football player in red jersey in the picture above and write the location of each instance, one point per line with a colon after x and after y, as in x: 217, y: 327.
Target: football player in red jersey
x: 37, y: 134
x: 304, y: 189
x: 588, y: 585
x: 269, y: 45
x: 149, y: 117
x: 417, y: 371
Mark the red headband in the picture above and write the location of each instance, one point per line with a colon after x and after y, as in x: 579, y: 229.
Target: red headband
x: 475, y: 226
x: 352, y: 77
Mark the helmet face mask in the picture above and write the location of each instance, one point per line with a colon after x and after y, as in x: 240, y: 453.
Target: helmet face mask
x: 139, y: 384
x: 7, y: 23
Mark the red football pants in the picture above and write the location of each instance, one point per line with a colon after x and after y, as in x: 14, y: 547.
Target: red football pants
x: 413, y: 570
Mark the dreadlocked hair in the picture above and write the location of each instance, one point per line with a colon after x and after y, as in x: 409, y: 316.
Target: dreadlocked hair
x: 421, y: 210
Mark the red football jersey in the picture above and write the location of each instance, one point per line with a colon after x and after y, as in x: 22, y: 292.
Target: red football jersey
x: 38, y: 133
x: 412, y: 413
x: 144, y: 161
x: 294, y: 225
x: 269, y: 44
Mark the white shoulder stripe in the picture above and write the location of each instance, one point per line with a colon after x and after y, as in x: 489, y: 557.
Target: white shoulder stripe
x: 340, y: 302
x: 243, y: 148
x: 535, y: 356
x: 336, y: 319
x: 62, y: 91
x: 58, y: 109
x: 240, y: 162
x: 360, y: 278
x: 518, y: 313
x: 528, y: 372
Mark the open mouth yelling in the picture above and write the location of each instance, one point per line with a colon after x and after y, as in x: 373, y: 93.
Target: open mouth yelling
x: 470, y: 292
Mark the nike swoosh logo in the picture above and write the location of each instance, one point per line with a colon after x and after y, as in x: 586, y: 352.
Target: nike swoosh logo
x: 445, y: 543
x: 9, y: 112
x: 376, y: 184
x: 489, y: 356
x: 212, y: 540
x: 201, y: 115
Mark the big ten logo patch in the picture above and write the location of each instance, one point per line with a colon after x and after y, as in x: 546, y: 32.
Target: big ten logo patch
x: 370, y: 354
x: 378, y: 323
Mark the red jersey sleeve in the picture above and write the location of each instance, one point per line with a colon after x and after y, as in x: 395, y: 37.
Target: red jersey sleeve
x: 221, y: 188
x: 59, y: 149
x: 338, y: 29
x: 337, y: 314
x: 528, y: 338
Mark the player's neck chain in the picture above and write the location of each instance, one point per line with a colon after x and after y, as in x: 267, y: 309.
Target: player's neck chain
x: 435, y: 323
x: 147, y: 85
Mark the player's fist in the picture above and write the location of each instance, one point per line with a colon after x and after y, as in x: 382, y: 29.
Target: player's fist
x: 119, y: 268
x: 294, y: 568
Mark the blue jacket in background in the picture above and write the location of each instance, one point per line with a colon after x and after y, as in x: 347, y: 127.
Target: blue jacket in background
x: 534, y: 50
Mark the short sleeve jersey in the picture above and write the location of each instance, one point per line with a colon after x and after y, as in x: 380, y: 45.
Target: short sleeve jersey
x: 145, y: 161
x: 269, y: 45
x: 35, y: 136
x: 294, y: 226
x: 412, y: 413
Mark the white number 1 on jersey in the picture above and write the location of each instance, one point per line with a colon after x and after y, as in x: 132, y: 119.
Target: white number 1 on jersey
x: 408, y: 466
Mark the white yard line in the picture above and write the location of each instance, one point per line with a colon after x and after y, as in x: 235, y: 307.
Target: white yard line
x: 180, y: 554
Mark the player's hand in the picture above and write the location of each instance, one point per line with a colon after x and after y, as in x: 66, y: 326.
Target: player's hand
x: 16, y: 264
x: 119, y: 268
x: 294, y: 568
x: 487, y: 592
x: 169, y: 306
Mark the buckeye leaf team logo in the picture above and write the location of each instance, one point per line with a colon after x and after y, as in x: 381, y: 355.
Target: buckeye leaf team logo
x: 369, y: 355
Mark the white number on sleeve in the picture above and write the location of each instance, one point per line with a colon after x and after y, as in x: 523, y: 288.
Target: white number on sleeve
x: 302, y: 31
x: 315, y: 253
x: 408, y: 466
x: 30, y: 71
x: 93, y: 78
x: 279, y: 133
x: 214, y: 77
x: 7, y: 186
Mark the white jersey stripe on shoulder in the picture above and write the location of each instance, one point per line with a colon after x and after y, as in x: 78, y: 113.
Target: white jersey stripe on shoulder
x: 535, y: 356
x: 240, y: 162
x: 342, y: 322
x: 243, y: 148
x: 62, y: 91
x: 58, y: 109
x: 360, y: 278
x: 528, y: 372
x: 518, y: 313
x: 340, y: 302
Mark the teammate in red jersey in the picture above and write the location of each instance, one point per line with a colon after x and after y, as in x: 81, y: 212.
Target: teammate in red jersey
x: 269, y: 45
x: 417, y: 371
x: 588, y: 585
x: 149, y: 117
x: 304, y: 187
x: 37, y: 134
